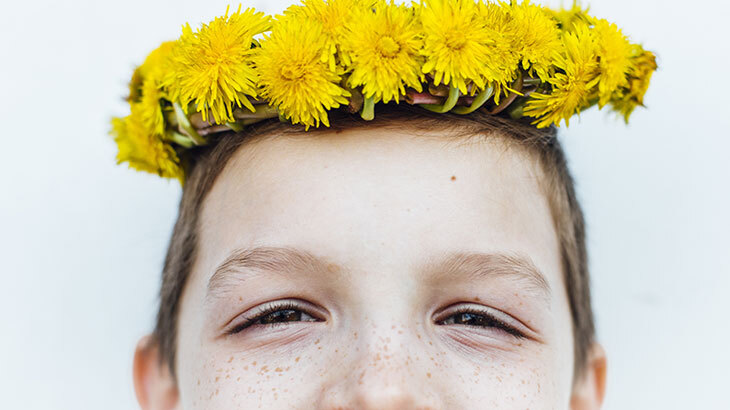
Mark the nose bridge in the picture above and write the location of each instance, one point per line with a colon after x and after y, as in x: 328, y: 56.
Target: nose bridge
x: 387, y: 370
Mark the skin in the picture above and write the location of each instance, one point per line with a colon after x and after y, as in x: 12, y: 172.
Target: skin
x: 374, y: 324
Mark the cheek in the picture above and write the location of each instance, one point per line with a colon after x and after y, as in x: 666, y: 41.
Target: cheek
x: 224, y: 378
x: 501, y: 380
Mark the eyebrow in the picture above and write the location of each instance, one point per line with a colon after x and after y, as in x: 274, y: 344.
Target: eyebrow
x: 475, y: 266
x: 247, y: 262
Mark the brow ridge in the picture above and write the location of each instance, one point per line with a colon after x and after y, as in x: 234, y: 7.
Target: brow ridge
x: 473, y: 265
x: 477, y: 265
x: 266, y: 259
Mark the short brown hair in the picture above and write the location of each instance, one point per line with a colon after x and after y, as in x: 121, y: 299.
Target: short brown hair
x: 206, y: 163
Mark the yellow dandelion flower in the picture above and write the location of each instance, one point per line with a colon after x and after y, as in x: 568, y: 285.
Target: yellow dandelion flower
x: 146, y: 87
x: 568, y: 18
x: 294, y: 78
x: 455, y: 43
x: 614, y: 53
x: 150, y: 106
x: 213, y: 66
x: 503, y: 63
x: 143, y: 150
x: 536, y: 39
x: 334, y: 16
x: 642, y: 67
x: 573, y: 86
x: 384, y: 47
x: 153, y: 65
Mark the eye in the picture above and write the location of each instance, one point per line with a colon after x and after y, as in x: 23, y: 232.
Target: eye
x: 273, y: 314
x: 479, y: 317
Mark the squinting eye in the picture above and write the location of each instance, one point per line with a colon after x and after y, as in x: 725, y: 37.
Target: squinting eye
x: 469, y: 317
x: 275, y: 315
x: 287, y: 315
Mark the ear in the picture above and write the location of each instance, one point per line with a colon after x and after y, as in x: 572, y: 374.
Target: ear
x: 155, y: 387
x: 588, y: 392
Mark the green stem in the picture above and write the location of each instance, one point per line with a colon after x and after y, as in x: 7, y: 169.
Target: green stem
x: 184, y: 123
x: 179, y: 139
x: 368, y: 109
x: 447, y: 105
x: 234, y: 126
x: 518, y: 110
x: 480, y: 99
x: 262, y: 112
x: 527, y: 82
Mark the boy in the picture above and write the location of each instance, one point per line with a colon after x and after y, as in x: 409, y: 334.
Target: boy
x: 431, y: 256
x: 424, y: 261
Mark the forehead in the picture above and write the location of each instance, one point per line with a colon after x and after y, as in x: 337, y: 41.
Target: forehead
x: 375, y: 196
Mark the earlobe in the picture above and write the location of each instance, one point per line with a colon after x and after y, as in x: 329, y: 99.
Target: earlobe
x: 589, y: 392
x: 153, y: 383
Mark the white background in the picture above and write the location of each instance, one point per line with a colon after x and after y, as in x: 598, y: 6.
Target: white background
x: 82, y: 240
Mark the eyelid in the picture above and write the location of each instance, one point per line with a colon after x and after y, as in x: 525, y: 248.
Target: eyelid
x: 498, y: 315
x: 257, y: 312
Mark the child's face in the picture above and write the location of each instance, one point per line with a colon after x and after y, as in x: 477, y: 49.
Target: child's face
x: 430, y: 278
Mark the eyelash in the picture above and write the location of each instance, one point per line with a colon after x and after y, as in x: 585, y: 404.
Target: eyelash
x: 274, y: 308
x: 491, y: 320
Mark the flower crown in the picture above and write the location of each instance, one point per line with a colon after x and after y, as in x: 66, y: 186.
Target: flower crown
x: 454, y: 56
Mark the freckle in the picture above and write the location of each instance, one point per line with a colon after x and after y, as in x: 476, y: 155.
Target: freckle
x: 453, y: 177
x: 316, y: 341
x: 254, y: 363
x: 319, y: 348
x: 217, y: 378
x: 278, y: 369
x: 355, y: 335
x: 428, y: 375
x: 245, y: 367
x: 217, y: 391
x: 230, y: 360
x: 240, y: 299
x: 477, y: 298
x: 297, y: 359
x: 238, y: 379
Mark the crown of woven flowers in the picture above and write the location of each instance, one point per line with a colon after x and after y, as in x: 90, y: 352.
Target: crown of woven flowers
x: 458, y: 56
